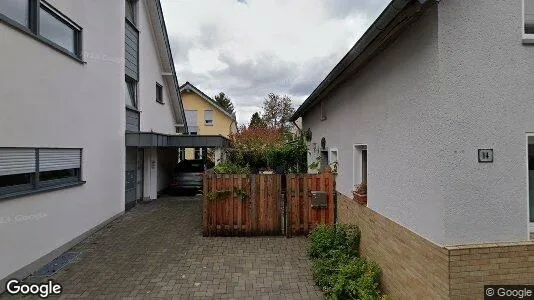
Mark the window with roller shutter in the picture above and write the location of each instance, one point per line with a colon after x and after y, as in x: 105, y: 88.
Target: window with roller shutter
x: 29, y: 170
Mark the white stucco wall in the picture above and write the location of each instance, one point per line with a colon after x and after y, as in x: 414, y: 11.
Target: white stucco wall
x: 383, y: 107
x: 458, y: 80
x: 50, y: 100
x: 154, y: 116
x: 486, y: 80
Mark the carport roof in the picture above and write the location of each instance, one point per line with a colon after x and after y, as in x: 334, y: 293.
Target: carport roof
x: 153, y: 139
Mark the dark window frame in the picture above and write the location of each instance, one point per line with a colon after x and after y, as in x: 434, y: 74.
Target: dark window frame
x: 159, y: 93
x: 134, y: 13
x: 130, y: 80
x: 38, y: 186
x: 32, y: 29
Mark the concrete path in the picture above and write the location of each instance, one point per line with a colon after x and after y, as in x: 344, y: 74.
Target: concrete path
x: 156, y: 250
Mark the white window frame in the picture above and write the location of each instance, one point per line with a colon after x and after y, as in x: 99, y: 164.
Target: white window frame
x: 212, y: 117
x: 527, y: 38
x: 334, y: 162
x: 530, y: 226
x: 357, y: 158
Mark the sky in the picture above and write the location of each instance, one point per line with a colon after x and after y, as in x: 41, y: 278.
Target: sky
x: 249, y: 48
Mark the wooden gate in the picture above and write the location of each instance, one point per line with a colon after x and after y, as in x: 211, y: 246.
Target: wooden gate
x: 241, y: 205
x: 302, y: 216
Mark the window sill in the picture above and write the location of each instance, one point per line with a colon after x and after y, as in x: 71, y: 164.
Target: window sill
x: 160, y: 102
x: 209, y: 124
x: 41, y: 190
x: 39, y: 38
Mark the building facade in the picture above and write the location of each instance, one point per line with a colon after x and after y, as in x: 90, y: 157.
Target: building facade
x: 80, y: 81
x: 432, y: 109
x: 204, y: 117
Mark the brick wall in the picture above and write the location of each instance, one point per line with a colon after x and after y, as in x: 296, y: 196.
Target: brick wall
x: 472, y: 266
x: 415, y: 268
x: 412, y: 267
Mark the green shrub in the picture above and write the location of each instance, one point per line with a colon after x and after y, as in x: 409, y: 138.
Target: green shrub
x: 337, y: 267
x: 231, y: 168
x: 326, y: 239
x: 356, y: 279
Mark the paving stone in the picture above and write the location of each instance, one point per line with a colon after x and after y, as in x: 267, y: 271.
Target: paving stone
x: 157, y: 250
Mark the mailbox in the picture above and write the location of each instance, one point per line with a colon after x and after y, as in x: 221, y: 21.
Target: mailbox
x: 319, y: 199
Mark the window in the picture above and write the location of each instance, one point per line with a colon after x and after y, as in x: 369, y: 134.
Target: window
x: 17, y: 10
x: 528, y: 21
x: 58, y: 30
x: 181, y: 154
x: 323, y: 112
x: 40, y: 20
x: 360, y: 164
x: 191, y: 118
x: 29, y: 170
x: 333, y: 159
x: 208, y: 117
x: 198, y: 153
x: 131, y: 93
x: 159, y: 93
x: 131, y: 11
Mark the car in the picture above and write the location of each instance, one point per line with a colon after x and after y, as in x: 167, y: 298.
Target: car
x: 187, y: 176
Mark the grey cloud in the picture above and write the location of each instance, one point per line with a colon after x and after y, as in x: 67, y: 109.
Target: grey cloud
x: 242, y: 1
x: 180, y: 48
x: 342, y: 8
x: 210, y: 36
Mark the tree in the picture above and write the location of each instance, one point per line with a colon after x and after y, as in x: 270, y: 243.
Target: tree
x: 277, y: 110
x: 256, y: 121
x: 225, y: 102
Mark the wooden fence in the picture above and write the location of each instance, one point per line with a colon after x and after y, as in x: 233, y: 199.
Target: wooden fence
x: 303, y: 218
x: 265, y: 204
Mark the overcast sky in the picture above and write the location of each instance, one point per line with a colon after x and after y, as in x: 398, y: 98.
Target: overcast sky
x: 249, y: 48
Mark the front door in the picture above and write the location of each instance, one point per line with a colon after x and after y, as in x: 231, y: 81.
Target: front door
x: 131, y: 177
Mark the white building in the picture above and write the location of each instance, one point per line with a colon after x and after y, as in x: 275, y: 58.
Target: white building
x: 79, y: 80
x: 434, y: 108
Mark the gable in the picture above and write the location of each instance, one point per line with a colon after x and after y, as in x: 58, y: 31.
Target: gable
x: 161, y: 41
x: 189, y: 88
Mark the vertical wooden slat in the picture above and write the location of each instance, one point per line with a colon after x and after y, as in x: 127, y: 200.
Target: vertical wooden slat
x: 290, y: 201
x: 278, y: 197
x: 331, y: 202
x: 254, y: 202
x: 295, y: 208
x: 216, y: 204
x: 298, y: 204
x: 205, y: 206
x: 305, y: 204
x: 322, y: 188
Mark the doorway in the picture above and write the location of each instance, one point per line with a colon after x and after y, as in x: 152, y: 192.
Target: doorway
x: 530, y: 178
x: 359, y: 171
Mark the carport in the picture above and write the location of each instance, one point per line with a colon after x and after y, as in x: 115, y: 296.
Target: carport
x: 151, y: 157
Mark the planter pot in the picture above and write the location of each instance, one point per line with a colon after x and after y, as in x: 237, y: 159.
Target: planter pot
x: 360, y: 198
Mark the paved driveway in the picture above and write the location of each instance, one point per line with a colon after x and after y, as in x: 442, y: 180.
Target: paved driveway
x: 157, y: 250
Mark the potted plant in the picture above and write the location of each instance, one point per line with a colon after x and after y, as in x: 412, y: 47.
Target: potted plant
x: 360, y: 194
